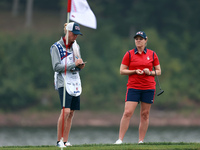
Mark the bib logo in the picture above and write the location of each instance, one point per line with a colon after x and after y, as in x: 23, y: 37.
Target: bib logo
x: 77, y: 91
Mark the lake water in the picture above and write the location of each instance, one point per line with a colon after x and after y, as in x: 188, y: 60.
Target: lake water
x: 95, y: 135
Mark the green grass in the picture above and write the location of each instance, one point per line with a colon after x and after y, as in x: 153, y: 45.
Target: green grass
x: 145, y: 146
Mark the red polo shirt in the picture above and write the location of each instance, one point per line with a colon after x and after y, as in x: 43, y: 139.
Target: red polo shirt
x: 134, y: 61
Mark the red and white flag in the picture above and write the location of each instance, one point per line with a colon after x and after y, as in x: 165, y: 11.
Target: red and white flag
x: 82, y: 14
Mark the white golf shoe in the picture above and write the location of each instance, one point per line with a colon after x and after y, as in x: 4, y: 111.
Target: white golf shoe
x: 140, y: 142
x: 68, y: 143
x: 118, y: 142
x: 60, y: 144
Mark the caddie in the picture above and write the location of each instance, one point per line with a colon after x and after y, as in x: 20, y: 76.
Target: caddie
x: 67, y: 62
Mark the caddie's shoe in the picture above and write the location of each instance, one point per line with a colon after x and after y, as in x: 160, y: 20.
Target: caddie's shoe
x: 140, y: 142
x: 118, y: 141
x: 67, y: 143
x: 60, y: 144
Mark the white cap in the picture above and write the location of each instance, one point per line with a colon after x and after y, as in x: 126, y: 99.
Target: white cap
x: 73, y: 27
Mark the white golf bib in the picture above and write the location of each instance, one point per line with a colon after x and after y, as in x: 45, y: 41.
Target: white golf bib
x: 71, y: 78
x: 72, y: 83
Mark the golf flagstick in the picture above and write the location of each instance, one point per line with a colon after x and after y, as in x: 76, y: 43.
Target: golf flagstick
x: 64, y: 89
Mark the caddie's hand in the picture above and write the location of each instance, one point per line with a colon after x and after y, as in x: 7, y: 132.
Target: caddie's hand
x: 79, y: 63
x: 82, y: 66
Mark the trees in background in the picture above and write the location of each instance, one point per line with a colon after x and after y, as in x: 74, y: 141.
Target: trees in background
x: 29, y: 13
x: 15, y: 8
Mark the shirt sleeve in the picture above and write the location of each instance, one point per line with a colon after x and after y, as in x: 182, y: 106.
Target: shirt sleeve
x: 126, y: 59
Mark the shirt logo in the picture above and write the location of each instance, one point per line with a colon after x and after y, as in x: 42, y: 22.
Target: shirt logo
x: 148, y: 58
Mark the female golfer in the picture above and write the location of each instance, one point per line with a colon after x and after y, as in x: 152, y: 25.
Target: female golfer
x: 138, y: 64
x: 67, y: 63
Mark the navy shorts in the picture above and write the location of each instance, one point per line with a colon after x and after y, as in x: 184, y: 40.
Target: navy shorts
x: 71, y: 102
x: 136, y: 95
